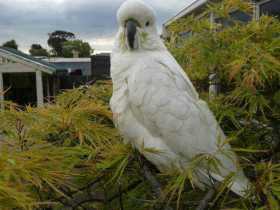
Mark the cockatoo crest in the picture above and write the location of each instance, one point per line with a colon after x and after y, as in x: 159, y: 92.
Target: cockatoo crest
x: 137, y: 10
x: 137, y: 20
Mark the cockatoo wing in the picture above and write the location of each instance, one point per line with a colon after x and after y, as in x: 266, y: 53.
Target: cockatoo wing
x: 167, y: 107
x: 164, y: 101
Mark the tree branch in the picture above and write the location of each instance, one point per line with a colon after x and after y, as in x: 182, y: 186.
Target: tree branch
x: 155, y: 184
x: 90, y: 194
x: 204, y: 204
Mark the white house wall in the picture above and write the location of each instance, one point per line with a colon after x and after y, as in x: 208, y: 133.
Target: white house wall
x: 1, y: 91
x: 15, y: 68
x: 24, y: 62
x: 9, y: 66
x: 39, y: 88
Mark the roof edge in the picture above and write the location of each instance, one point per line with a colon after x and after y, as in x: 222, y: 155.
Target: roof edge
x: 47, y: 68
x: 189, y: 8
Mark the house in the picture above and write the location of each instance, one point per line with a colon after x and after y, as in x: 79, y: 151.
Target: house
x: 101, y: 65
x: 72, y: 72
x: 25, y: 79
x: 267, y: 7
x: 74, y: 66
x: 198, y: 7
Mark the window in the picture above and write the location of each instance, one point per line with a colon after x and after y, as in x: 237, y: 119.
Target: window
x: 241, y: 16
x: 237, y: 15
x: 185, y: 34
x: 271, y: 8
x: 76, y: 72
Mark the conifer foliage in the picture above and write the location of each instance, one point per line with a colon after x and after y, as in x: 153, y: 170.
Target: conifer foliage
x: 246, y: 58
x: 68, y: 155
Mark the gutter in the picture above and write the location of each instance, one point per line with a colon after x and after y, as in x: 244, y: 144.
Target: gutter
x: 192, y: 6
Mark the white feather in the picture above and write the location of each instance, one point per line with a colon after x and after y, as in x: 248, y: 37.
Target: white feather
x: 156, y: 106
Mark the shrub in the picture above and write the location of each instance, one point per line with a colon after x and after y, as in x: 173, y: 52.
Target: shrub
x: 246, y: 59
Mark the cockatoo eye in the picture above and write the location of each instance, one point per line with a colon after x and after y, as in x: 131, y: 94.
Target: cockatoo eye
x: 147, y: 23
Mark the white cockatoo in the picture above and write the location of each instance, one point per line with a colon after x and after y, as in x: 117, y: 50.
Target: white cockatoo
x: 156, y: 107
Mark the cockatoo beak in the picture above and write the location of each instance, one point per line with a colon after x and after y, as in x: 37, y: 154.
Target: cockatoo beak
x: 131, y: 30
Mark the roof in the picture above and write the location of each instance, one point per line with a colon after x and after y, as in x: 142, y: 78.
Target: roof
x: 102, y: 54
x: 49, y: 68
x: 188, y: 9
x: 67, y: 60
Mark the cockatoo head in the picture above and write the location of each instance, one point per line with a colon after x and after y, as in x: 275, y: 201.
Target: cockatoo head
x: 137, y: 27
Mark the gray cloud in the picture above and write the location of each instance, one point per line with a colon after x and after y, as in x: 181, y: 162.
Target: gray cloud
x: 30, y: 21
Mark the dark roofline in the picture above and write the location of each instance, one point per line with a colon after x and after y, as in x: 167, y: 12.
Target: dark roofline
x: 101, y: 54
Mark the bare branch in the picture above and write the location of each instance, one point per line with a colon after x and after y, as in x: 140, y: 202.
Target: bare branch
x: 155, y: 184
x: 204, y: 204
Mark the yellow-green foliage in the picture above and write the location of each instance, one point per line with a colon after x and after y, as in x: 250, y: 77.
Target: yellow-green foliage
x: 247, y: 59
x: 68, y: 155
x: 44, y: 151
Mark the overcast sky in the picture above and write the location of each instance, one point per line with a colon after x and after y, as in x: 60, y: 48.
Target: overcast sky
x: 30, y: 21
